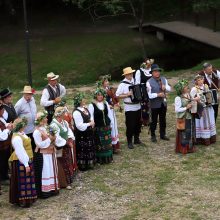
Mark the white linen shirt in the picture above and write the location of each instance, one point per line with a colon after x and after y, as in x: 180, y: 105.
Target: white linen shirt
x: 178, y: 105
x: 123, y: 88
x: 4, y: 133
x: 38, y: 138
x: 18, y: 146
x: 209, y: 77
x: 27, y: 110
x: 45, y: 102
x: 78, y: 120
x: 138, y: 75
x: 154, y: 95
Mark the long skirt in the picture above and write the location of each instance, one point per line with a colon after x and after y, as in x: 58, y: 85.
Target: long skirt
x: 103, y: 141
x: 205, y: 127
x: 185, y: 139
x: 114, y: 133
x: 85, y: 149
x: 22, y: 185
x: 66, y: 167
x: 46, y: 174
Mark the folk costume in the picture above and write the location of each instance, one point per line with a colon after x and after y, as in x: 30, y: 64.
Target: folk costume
x: 50, y: 95
x: 211, y: 79
x: 132, y: 109
x: 64, y: 144
x: 9, y: 115
x: 141, y: 77
x: 45, y: 161
x: 84, y: 134
x: 185, y: 136
x: 205, y: 126
x: 22, y: 184
x: 27, y: 108
x: 158, y: 104
x: 5, y: 143
x: 101, y: 115
x: 113, y: 102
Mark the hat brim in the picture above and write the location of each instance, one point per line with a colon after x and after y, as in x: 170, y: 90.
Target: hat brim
x: 124, y: 74
x: 156, y: 69
x: 6, y: 95
x: 52, y: 78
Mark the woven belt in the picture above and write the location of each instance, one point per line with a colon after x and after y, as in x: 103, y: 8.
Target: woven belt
x: 131, y: 103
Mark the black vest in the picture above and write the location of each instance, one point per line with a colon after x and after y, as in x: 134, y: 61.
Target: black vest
x: 12, y: 115
x: 214, y: 79
x: 52, y: 96
x: 101, y: 116
x: 144, y: 78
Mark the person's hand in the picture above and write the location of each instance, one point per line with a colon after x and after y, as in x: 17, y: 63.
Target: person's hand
x: 57, y: 100
x: 161, y: 94
x: 9, y: 126
x: 92, y: 123
x: 52, y: 137
x: 163, y: 87
x: 189, y: 106
x: 129, y: 93
x: 28, y: 170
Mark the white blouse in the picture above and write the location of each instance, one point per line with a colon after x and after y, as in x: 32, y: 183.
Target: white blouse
x: 78, y: 119
x: 4, y: 133
x: 100, y: 106
x: 18, y: 146
x: 60, y: 142
x: 38, y: 138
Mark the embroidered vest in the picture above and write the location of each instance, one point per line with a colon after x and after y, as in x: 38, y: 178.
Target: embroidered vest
x: 27, y: 147
x: 186, y: 114
x: 7, y: 143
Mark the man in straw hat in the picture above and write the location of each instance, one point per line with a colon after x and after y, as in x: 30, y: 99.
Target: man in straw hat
x: 212, y: 79
x: 157, y: 86
x: 132, y: 109
x: 52, y: 94
x: 26, y: 107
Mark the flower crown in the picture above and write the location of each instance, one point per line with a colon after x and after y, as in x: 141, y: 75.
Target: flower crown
x: 40, y: 117
x: 180, y: 85
x: 19, y: 123
x: 77, y: 99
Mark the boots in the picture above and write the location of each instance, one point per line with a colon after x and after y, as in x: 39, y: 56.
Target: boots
x: 137, y: 140
x: 130, y: 145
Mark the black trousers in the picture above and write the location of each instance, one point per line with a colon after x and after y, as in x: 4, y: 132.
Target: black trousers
x: 33, y: 145
x: 161, y: 112
x: 215, y: 107
x: 133, y: 123
x: 4, y: 156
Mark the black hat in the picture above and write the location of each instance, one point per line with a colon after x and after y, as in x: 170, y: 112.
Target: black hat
x: 5, y: 92
x: 155, y: 67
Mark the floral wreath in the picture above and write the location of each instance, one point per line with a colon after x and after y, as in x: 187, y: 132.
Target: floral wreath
x: 105, y: 77
x: 19, y: 123
x: 40, y: 117
x: 180, y: 86
x: 77, y: 99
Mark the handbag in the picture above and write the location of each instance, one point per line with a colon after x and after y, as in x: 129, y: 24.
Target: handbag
x: 180, y: 123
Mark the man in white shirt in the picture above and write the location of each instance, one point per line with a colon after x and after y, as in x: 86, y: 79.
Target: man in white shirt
x: 212, y: 79
x: 52, y: 95
x: 26, y: 107
x: 157, y: 86
x: 132, y: 109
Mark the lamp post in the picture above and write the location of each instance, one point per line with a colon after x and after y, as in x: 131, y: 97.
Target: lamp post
x: 27, y: 45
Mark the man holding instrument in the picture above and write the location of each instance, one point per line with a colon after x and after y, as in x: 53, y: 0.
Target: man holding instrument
x: 211, y: 78
x: 157, y: 86
x: 132, y: 109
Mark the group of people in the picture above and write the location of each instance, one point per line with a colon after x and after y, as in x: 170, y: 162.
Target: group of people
x: 47, y: 148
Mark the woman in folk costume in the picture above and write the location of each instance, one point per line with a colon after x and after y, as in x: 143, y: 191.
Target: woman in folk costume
x: 22, y: 181
x: 205, y: 126
x: 84, y: 134
x: 185, y: 136
x: 101, y: 114
x: 68, y: 117
x: 64, y: 144
x: 5, y: 137
x: 45, y: 162
x: 113, y: 102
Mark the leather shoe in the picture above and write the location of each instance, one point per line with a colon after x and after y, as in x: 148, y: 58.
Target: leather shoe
x: 165, y: 138
x: 153, y: 139
x: 137, y: 140
x: 130, y: 145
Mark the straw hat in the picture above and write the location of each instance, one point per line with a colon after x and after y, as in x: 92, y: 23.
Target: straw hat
x: 52, y: 76
x: 28, y: 90
x: 127, y: 70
